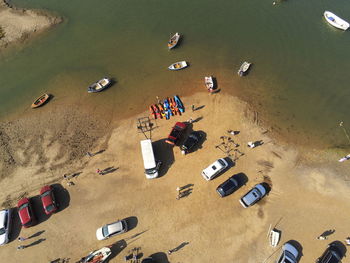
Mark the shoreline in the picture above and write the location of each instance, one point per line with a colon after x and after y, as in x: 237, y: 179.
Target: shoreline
x: 19, y: 25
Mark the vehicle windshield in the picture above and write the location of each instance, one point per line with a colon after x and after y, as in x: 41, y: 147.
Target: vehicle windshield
x: 23, y: 206
x: 228, y: 185
x: 2, y: 231
x: 45, y: 194
x: 221, y: 162
x: 50, y: 208
x: 105, y: 231
x: 151, y: 171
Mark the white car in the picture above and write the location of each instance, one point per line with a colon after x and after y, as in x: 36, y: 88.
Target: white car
x: 289, y: 254
x: 214, y: 169
x: 111, y: 229
x: 5, y: 221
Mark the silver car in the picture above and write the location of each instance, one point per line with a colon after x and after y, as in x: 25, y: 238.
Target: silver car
x: 111, y: 229
x: 253, y: 196
x: 289, y: 254
x: 5, y: 223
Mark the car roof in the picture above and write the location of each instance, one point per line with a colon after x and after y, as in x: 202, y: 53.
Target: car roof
x: 115, y: 227
x: 24, y: 213
x: 254, y: 194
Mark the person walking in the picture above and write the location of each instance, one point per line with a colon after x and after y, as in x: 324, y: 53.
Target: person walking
x: 20, y: 247
x: 192, y: 107
x: 22, y: 239
x: 99, y: 171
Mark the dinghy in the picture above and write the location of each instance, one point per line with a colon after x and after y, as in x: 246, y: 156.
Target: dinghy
x: 275, y: 236
x: 99, y: 85
x: 40, y: 101
x: 178, y: 65
x: 209, y: 83
x: 336, y: 21
x: 244, y: 68
x: 173, y: 40
x: 98, y: 256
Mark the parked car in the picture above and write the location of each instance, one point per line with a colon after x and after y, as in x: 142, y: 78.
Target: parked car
x: 176, y: 133
x: 25, y: 212
x: 5, y: 226
x: 214, y: 169
x: 192, y: 140
x: 289, y: 254
x: 227, y: 187
x: 253, y: 196
x: 331, y: 255
x: 111, y: 229
x: 48, y: 199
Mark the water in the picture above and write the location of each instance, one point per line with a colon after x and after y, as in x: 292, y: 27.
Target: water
x: 298, y: 80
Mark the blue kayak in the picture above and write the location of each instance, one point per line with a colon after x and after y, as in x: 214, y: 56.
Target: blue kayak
x: 179, y: 104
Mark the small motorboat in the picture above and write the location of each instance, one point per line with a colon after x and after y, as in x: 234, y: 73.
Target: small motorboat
x: 275, y: 236
x: 178, y: 65
x: 244, y: 68
x: 40, y: 101
x: 98, y: 256
x: 336, y: 21
x: 173, y: 40
x: 99, y: 85
x: 209, y: 83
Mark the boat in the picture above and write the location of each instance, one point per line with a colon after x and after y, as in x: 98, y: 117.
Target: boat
x: 336, y: 21
x: 98, y: 256
x: 99, y: 85
x: 173, y: 40
x: 40, y: 101
x: 161, y: 109
x: 345, y: 158
x: 178, y: 65
x: 167, y: 109
x: 209, y: 83
x: 152, y: 112
x: 275, y: 236
x: 244, y: 68
x: 179, y: 104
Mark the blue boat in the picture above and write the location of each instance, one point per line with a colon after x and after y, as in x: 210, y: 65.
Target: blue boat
x: 167, y: 110
x: 179, y: 104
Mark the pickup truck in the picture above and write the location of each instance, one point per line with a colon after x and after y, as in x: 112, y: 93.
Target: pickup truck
x: 176, y: 133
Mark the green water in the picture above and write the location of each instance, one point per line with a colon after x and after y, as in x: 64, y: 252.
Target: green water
x: 299, y: 79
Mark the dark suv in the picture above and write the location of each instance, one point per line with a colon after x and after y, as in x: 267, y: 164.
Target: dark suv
x: 331, y: 255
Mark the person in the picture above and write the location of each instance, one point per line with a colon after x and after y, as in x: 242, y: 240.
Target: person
x: 347, y: 241
x: 98, y: 171
x: 20, y: 247
x: 190, y: 120
x: 193, y: 109
x: 89, y: 154
x: 22, y: 238
x: 251, y: 145
x: 322, y: 237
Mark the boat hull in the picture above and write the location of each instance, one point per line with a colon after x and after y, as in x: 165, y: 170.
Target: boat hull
x: 99, y: 86
x: 173, y: 41
x: 40, y: 101
x: 336, y: 21
x: 178, y: 65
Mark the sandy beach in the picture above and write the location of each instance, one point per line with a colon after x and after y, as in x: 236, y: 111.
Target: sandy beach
x: 308, y: 195
x: 18, y: 25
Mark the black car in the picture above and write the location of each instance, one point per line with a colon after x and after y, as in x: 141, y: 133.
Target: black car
x: 227, y: 187
x: 331, y: 255
x: 192, y: 140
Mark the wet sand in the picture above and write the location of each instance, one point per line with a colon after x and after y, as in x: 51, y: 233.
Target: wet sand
x: 19, y: 25
x: 308, y: 195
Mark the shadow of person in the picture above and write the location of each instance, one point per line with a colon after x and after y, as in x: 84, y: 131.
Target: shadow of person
x: 37, y: 234
x: 199, y: 108
x: 62, y: 196
x: 182, y: 245
x: 99, y: 152
x: 109, y: 170
x: 258, y: 143
x: 328, y: 232
x: 197, y: 119
x: 37, y: 242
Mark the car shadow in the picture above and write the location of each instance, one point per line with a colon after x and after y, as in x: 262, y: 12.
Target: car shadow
x: 62, y: 196
x: 116, y: 249
x: 160, y: 257
x: 16, y: 225
x: 341, y: 247
x: 38, y: 210
x: 163, y: 152
x: 132, y: 222
x: 230, y: 162
x: 241, y: 178
x: 298, y: 246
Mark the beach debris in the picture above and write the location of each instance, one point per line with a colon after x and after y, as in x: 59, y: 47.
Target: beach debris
x: 345, y: 158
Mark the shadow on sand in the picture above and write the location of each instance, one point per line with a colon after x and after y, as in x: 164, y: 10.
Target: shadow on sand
x: 164, y: 153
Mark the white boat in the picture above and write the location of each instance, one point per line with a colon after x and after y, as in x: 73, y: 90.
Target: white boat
x: 98, y: 256
x: 209, y: 83
x: 178, y: 65
x: 173, y: 40
x: 99, y: 85
x: 275, y: 236
x: 336, y: 21
x: 345, y: 158
x: 244, y: 68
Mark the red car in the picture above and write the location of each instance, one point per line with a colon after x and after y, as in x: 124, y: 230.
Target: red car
x: 48, y: 199
x: 25, y: 212
x: 176, y: 133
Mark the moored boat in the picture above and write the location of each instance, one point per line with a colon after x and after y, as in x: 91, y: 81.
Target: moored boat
x: 40, y: 101
x: 178, y: 65
x: 98, y: 256
x: 173, y: 40
x: 336, y: 21
x: 209, y: 83
x: 244, y: 68
x: 99, y: 85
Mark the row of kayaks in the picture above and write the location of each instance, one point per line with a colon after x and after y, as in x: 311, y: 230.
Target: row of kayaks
x: 167, y: 108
